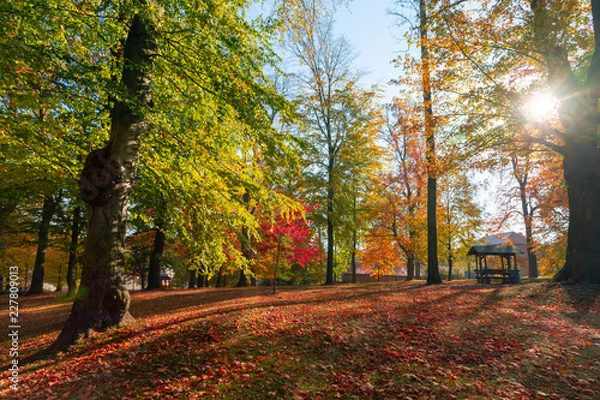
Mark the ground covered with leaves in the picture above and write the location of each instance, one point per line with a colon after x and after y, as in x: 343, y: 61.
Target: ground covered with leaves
x: 367, y: 341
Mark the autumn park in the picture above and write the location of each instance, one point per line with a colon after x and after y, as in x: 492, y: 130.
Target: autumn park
x: 205, y: 199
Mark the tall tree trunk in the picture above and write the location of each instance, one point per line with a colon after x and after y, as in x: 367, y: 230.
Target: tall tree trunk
x: 354, y: 241
x: 433, y: 272
x: 37, y: 278
x: 154, y: 281
x: 72, y: 265
x: 330, y: 238
x: 450, y: 266
x: 106, y: 181
x: 353, y: 260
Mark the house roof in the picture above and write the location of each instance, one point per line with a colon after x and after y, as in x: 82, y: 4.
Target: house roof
x: 494, y: 250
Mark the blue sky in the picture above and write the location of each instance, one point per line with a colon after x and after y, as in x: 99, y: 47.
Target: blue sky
x: 375, y: 36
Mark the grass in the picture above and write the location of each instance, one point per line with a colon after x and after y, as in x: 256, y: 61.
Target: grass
x: 365, y: 341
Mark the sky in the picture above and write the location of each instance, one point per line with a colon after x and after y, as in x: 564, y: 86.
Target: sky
x: 367, y: 25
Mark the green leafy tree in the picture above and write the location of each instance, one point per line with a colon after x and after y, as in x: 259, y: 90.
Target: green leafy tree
x: 186, y: 78
x: 337, y: 118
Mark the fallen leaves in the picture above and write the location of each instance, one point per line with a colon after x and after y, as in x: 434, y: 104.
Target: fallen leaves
x: 365, y: 341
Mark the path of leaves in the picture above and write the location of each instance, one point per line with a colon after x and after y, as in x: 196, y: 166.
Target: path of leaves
x: 392, y: 341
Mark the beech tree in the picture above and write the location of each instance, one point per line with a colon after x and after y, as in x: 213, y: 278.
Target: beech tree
x: 158, y: 75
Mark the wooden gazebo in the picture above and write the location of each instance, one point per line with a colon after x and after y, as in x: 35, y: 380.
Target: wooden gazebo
x: 509, y: 271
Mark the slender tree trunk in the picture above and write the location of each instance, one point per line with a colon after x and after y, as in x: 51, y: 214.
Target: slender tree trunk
x: 247, y: 254
x: 143, y: 277
x: 450, y: 266
x: 37, y: 278
x: 433, y: 273
x: 106, y: 181
x: 72, y: 265
x: 353, y: 260
x: 58, y: 281
x: 276, y: 267
x: 156, y: 257
x: 330, y: 239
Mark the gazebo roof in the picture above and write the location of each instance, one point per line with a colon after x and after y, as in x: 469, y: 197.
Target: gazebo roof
x: 494, y: 250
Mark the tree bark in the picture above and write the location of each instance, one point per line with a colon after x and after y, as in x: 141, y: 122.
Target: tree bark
x: 410, y: 268
x: 72, y: 265
x: 154, y: 281
x: 37, y: 278
x: 246, y: 251
x: 105, y: 185
x: 354, y: 246
x: 330, y: 238
x: 433, y: 273
x: 582, y: 173
x: 193, y: 281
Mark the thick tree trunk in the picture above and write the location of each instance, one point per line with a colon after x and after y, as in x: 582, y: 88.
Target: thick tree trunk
x: 582, y: 174
x: 106, y: 180
x: 154, y: 281
x: 72, y: 265
x: 37, y: 278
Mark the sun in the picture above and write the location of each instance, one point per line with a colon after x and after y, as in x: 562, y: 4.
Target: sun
x: 541, y: 107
